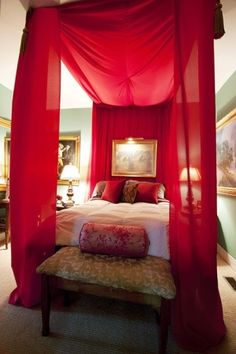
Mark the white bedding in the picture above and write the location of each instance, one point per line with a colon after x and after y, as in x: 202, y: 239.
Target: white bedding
x: 153, y: 217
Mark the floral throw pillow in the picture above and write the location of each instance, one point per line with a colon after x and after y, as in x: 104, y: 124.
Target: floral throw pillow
x: 98, y: 190
x: 114, y: 240
x: 129, y: 193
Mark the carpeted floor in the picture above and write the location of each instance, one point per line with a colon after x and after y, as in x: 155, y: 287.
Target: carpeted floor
x: 93, y: 325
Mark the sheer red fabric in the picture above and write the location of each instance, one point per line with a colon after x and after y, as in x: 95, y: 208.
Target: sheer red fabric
x: 34, y: 153
x: 110, y: 45
x: 123, y: 55
x: 193, y: 226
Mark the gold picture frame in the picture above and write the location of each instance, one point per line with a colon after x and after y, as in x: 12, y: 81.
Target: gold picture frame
x: 134, y: 157
x: 226, y: 154
x: 68, y: 152
x: 7, y: 144
x: 5, y: 128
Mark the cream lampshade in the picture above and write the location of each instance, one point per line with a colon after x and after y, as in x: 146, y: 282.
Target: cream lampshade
x: 193, y: 175
x: 70, y: 173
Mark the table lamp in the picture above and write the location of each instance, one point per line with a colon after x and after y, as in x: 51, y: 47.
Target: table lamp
x: 193, y: 175
x: 70, y: 173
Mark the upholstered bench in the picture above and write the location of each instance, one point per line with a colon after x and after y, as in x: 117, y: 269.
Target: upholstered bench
x: 145, y: 280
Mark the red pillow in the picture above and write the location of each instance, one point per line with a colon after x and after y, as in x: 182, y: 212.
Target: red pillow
x: 147, y: 192
x: 112, y: 191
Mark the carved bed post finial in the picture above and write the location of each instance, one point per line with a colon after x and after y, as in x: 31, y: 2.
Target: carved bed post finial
x: 25, y: 31
x: 219, y: 30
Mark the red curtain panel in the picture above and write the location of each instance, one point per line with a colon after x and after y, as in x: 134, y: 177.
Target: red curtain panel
x: 111, y: 122
x: 145, y: 64
x: 193, y: 230
x: 34, y: 153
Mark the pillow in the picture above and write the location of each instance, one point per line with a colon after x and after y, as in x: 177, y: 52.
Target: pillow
x: 129, y: 193
x: 160, y: 191
x: 98, y: 190
x: 114, y: 240
x: 112, y: 191
x: 147, y: 192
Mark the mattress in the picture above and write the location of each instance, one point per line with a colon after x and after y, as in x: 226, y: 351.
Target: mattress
x: 154, y: 218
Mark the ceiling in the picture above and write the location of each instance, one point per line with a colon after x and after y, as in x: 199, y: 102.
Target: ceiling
x: 12, y: 18
x: 39, y: 3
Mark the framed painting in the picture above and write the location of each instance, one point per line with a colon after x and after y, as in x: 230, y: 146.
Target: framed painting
x: 5, y: 127
x: 68, y: 152
x: 7, y: 144
x: 226, y: 154
x: 134, y: 157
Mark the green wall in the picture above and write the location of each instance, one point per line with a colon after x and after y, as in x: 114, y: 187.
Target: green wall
x: 226, y: 205
x: 78, y: 121
x: 5, y: 102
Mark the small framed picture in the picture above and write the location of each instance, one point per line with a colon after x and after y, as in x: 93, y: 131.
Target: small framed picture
x: 7, y: 144
x: 134, y: 157
x: 226, y: 154
x: 68, y: 153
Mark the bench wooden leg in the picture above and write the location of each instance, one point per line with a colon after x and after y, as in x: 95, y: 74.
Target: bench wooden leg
x: 6, y: 238
x: 45, y: 304
x: 164, y: 324
x: 66, y: 298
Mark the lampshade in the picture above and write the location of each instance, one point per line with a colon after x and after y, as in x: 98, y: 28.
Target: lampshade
x: 70, y: 172
x: 193, y: 173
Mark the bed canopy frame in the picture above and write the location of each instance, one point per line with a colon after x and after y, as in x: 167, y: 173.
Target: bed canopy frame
x: 147, y: 63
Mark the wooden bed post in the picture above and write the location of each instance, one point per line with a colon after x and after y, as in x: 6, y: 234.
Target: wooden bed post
x: 45, y: 303
x: 164, y: 325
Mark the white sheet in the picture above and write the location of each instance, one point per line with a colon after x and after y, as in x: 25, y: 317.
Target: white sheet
x: 153, y: 217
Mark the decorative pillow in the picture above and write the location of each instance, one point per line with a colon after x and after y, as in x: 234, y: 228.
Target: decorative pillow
x: 129, y: 193
x: 115, y: 240
x: 98, y: 190
x: 160, y: 191
x: 112, y: 191
x: 147, y: 192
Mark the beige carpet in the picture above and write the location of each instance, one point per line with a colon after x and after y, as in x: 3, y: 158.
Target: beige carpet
x: 95, y: 326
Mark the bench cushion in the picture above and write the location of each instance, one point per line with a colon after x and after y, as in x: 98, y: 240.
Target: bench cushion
x: 150, y: 275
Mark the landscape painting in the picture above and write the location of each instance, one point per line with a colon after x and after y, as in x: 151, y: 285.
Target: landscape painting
x: 134, y: 158
x: 226, y: 154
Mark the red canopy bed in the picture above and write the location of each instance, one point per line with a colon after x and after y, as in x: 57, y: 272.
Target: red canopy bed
x: 148, y: 62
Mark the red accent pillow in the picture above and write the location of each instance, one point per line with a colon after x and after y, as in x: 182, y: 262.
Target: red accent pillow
x: 147, y: 192
x: 114, y: 240
x: 112, y: 191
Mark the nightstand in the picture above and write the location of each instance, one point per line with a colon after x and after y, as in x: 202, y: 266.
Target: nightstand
x: 4, y: 226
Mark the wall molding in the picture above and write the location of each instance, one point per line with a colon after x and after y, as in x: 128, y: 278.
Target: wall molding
x: 6, y: 123
x: 226, y: 257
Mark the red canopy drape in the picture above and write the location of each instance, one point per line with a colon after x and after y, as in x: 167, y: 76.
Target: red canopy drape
x: 123, y: 53
x: 121, y: 47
